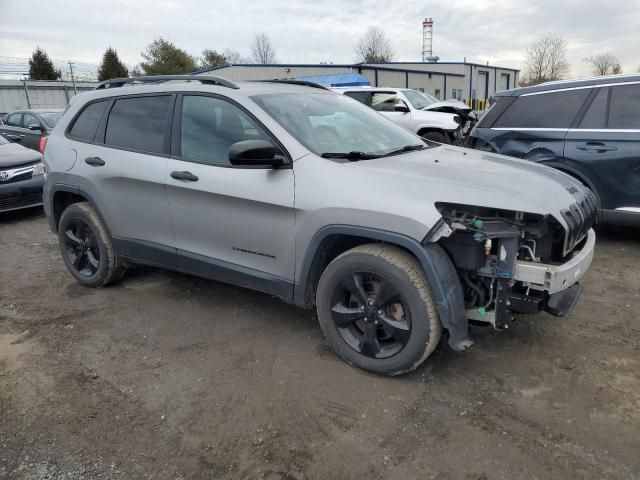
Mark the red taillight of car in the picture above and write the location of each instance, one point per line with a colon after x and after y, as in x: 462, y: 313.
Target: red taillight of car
x: 42, y: 145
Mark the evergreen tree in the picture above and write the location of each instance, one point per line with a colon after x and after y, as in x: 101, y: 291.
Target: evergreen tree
x: 211, y: 58
x: 164, y: 58
x: 111, y: 66
x: 41, y: 67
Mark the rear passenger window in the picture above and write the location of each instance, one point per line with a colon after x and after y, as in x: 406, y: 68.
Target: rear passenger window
x: 625, y: 107
x: 545, y: 110
x: 138, y: 123
x: 597, y: 113
x: 86, y: 125
x: 210, y: 126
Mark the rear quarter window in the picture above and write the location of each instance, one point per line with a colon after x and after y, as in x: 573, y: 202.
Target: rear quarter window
x: 362, y: 97
x: 624, y: 112
x: 544, y: 110
x: 86, y: 124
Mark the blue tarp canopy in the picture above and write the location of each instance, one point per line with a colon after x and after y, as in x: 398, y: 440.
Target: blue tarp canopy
x: 337, y: 80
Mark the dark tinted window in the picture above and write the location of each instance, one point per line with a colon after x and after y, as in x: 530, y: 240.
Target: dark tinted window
x: 14, y: 120
x: 86, y: 125
x: 597, y: 113
x: 210, y: 126
x: 30, y: 121
x: 138, y: 123
x: 546, y: 110
x: 625, y: 107
x: 362, y: 97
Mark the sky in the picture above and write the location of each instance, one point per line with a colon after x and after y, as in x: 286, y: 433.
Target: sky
x: 312, y: 31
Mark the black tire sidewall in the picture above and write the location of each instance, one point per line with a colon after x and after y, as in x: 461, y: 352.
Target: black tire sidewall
x: 100, y: 278
x: 436, y: 137
x: 413, y: 352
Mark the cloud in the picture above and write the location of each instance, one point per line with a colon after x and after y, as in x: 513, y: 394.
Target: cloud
x: 497, y: 31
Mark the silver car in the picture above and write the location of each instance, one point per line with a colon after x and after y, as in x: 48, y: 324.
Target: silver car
x: 310, y: 196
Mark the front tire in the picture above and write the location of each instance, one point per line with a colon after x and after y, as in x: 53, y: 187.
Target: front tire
x: 86, y: 247
x: 436, y: 137
x: 376, y: 309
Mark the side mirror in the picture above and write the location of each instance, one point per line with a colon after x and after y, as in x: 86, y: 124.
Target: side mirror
x: 35, y: 127
x: 255, y: 153
x: 401, y: 107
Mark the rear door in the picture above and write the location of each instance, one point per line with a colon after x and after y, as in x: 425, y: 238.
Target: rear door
x: 123, y: 169
x: 534, y: 125
x: 605, y: 146
x: 235, y: 220
x: 12, y: 127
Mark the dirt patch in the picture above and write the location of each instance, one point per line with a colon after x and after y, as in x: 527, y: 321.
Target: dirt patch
x: 170, y: 376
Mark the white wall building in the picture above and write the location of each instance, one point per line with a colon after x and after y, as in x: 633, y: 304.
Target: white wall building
x: 462, y: 80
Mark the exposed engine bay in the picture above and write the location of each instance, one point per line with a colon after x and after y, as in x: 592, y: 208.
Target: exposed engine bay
x: 492, y: 250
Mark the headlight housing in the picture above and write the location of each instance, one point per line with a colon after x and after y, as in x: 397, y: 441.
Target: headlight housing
x: 38, y: 169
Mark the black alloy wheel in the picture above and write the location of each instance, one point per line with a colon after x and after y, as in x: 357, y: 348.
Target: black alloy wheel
x: 81, y: 248
x: 371, y: 315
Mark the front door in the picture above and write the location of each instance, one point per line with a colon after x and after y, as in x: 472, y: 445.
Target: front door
x: 606, y: 147
x: 32, y: 130
x: 385, y: 102
x: 231, y: 223
x: 12, y: 127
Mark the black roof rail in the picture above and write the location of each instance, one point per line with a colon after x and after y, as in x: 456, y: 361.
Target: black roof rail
x: 295, y: 82
x: 205, y: 79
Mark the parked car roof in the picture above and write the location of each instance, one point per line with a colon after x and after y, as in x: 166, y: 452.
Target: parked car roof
x: 575, y: 83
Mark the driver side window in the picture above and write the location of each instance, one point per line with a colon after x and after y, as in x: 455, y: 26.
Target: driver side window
x: 209, y: 126
x: 384, y: 102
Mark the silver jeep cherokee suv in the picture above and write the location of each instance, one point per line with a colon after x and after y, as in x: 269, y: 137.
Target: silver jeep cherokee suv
x: 290, y: 189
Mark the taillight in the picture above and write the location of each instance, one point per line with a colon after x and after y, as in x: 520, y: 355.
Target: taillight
x: 43, y: 144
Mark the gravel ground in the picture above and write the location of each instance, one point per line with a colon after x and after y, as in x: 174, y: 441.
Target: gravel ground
x: 166, y: 376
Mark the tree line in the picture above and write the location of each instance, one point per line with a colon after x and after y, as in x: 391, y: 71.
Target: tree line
x: 545, y: 58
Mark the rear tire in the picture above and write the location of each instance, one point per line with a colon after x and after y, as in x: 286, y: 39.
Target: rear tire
x: 436, y: 137
x: 86, y: 247
x: 376, y: 309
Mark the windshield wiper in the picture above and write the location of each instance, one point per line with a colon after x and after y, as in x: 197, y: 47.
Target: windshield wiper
x: 350, y: 155
x: 406, y: 148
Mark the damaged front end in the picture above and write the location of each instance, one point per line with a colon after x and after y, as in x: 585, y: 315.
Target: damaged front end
x: 515, y: 262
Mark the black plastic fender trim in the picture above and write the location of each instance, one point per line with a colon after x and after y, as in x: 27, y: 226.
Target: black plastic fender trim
x: 436, y: 264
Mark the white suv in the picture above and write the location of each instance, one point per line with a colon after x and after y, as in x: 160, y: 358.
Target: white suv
x: 407, y: 108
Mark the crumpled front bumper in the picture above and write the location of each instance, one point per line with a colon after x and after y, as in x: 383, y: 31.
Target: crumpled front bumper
x: 556, y: 278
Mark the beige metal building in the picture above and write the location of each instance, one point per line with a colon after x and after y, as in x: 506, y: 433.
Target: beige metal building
x: 469, y: 82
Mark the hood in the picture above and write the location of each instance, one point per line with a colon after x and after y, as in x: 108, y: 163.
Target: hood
x: 14, y: 155
x: 455, y: 104
x: 470, y: 177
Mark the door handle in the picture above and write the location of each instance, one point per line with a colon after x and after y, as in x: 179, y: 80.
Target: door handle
x: 94, y: 161
x: 188, y: 176
x: 596, y: 147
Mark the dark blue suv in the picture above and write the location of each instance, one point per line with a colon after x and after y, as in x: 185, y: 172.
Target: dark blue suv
x: 587, y: 128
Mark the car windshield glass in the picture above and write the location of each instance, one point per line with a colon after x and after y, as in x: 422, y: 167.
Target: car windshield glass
x: 418, y: 99
x: 328, y: 123
x: 50, y: 118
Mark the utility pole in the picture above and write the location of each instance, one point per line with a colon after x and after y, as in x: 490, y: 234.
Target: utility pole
x: 75, y: 90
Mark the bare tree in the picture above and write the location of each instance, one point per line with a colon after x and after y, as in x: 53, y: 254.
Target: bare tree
x: 374, y: 47
x: 546, y: 59
x: 603, y: 63
x: 262, y: 49
x: 234, y: 56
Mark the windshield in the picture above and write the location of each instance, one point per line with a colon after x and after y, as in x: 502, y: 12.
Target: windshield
x: 50, y: 118
x: 331, y: 123
x: 418, y: 99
